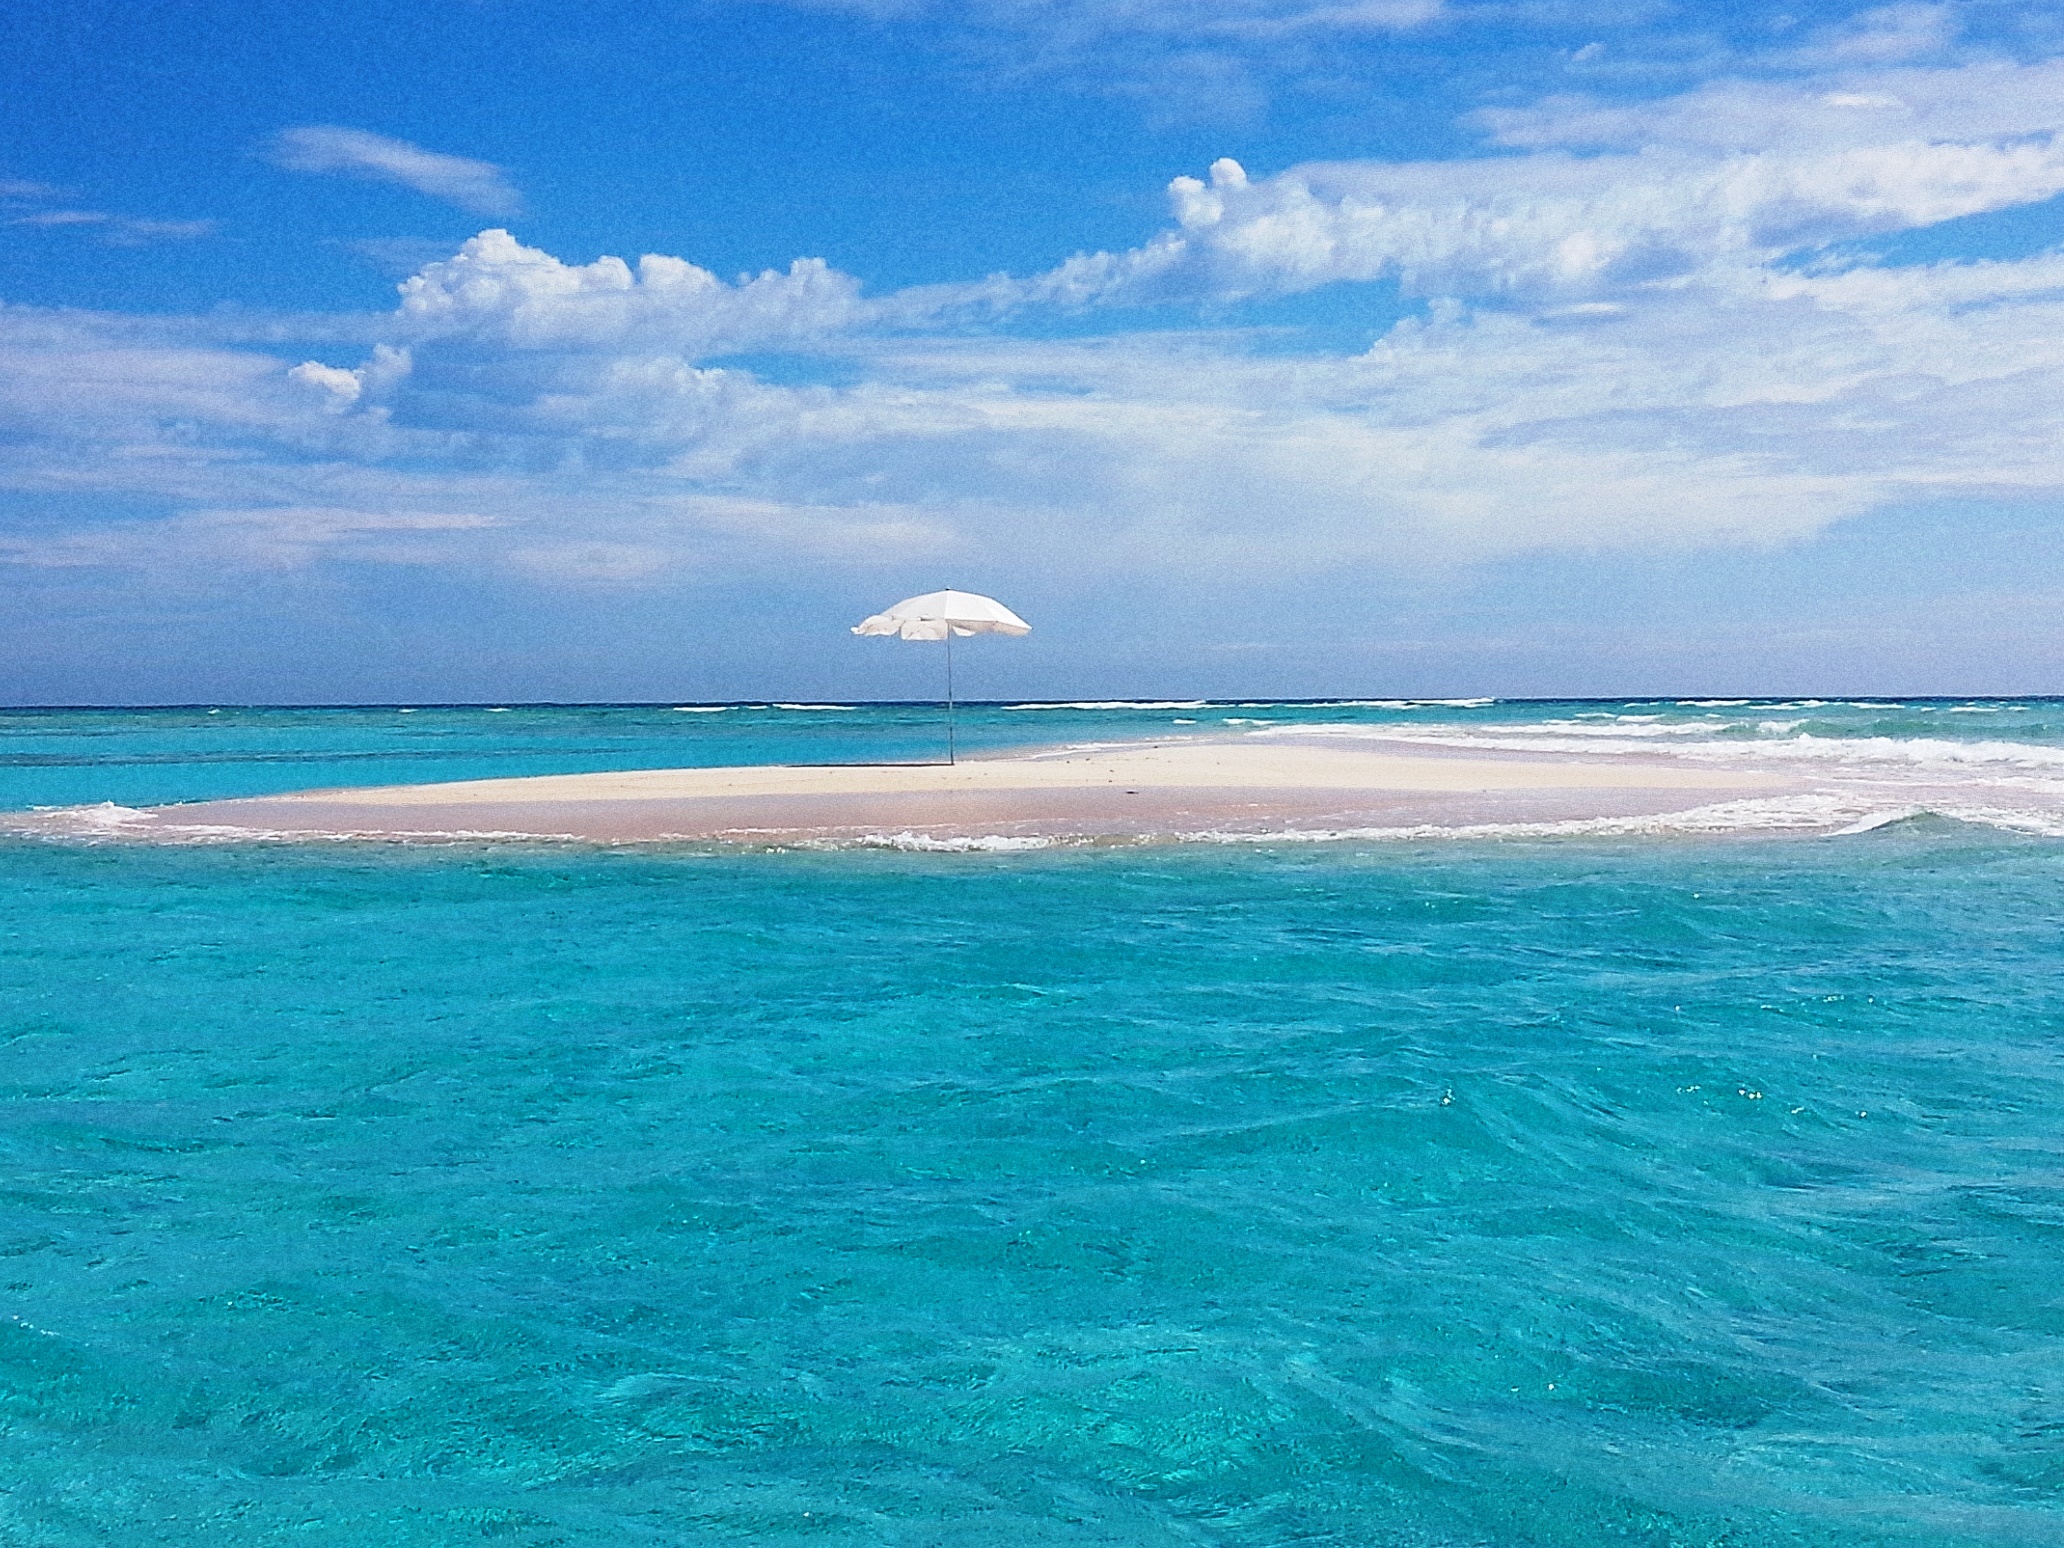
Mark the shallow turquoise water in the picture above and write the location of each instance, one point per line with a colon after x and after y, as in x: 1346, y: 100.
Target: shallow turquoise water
x: 1460, y: 1194
x: 142, y: 757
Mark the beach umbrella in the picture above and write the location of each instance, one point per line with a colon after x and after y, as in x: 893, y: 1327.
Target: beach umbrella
x: 940, y: 615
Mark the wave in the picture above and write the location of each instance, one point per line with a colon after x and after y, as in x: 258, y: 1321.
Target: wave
x: 1115, y: 704
x: 1284, y: 704
x: 1805, y: 815
x: 1406, y: 704
x: 1571, y: 737
x: 1735, y: 820
x: 106, y: 822
x: 1811, y: 815
x: 1815, y: 814
x: 102, y: 819
x: 946, y: 844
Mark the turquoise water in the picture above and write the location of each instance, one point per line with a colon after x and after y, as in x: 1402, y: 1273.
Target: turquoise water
x: 140, y: 757
x: 1460, y: 1193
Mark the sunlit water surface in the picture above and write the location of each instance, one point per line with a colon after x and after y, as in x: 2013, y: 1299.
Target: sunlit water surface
x: 1454, y: 1193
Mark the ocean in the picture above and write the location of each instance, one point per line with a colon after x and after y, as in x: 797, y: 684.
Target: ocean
x: 1649, y: 1186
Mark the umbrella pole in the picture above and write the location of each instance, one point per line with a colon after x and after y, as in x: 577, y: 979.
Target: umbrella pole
x: 949, y: 695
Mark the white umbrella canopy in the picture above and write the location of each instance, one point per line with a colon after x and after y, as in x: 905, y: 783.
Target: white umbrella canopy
x: 940, y: 615
x: 932, y: 615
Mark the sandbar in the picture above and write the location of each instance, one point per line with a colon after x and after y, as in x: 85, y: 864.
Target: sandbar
x: 1131, y: 791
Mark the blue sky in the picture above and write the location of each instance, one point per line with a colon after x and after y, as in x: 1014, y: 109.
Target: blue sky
x: 491, y: 349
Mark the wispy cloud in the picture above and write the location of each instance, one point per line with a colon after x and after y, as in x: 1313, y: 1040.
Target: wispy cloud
x: 398, y: 257
x: 1084, y: 19
x: 273, y: 537
x: 1180, y: 60
x: 1620, y: 350
x: 109, y: 228
x: 1540, y: 227
x: 1885, y: 35
x: 119, y: 230
x: 476, y: 186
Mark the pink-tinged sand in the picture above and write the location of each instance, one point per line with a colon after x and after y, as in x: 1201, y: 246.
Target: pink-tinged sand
x: 1142, y: 791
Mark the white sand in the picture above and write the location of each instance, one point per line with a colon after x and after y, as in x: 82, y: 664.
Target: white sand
x: 1168, y: 766
x: 1139, y: 790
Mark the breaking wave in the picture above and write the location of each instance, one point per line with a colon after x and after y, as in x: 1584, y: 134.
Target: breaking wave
x: 1774, y: 741
x: 1116, y: 704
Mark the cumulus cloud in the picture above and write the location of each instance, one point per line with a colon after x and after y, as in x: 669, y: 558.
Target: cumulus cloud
x: 1630, y: 349
x: 344, y: 387
x: 1543, y: 225
x: 495, y: 287
x: 1752, y: 417
x: 477, y: 186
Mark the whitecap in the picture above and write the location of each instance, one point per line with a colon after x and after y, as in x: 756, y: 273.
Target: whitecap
x: 1815, y: 813
x: 1569, y: 737
x: 1384, y: 704
x: 1113, y: 704
x: 929, y: 843
x: 102, y: 819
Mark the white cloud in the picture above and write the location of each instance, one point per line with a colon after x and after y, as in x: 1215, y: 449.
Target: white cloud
x: 1085, y: 20
x: 1544, y: 225
x: 1884, y: 35
x: 111, y: 229
x: 267, y: 538
x: 344, y: 388
x: 130, y: 231
x: 1245, y: 19
x: 1611, y: 359
x: 1755, y: 416
x: 1181, y: 61
x: 1733, y: 174
x: 478, y: 186
x: 494, y: 287
x: 119, y: 230
x: 1981, y: 101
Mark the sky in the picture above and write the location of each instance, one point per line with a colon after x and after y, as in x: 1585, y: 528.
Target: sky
x: 494, y: 350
